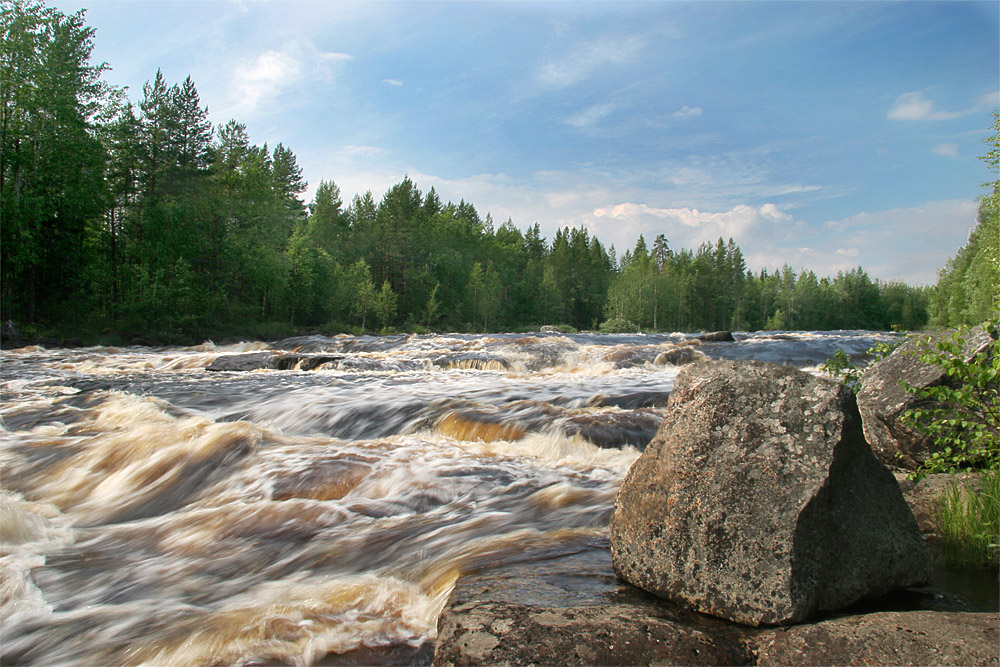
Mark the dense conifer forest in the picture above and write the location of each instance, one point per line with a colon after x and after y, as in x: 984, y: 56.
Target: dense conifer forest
x: 124, y: 218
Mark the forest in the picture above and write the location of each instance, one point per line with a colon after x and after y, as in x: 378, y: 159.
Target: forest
x: 124, y: 218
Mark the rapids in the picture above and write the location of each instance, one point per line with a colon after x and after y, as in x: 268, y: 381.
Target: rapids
x: 155, y: 512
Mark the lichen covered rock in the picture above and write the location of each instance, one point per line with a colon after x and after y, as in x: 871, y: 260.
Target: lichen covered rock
x: 759, y: 500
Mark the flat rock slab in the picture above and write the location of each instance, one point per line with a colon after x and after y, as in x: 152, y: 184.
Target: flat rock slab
x: 760, y: 502
x: 563, y: 605
x: 886, y: 638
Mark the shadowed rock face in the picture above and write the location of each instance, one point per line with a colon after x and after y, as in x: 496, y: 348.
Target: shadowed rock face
x: 882, y: 400
x: 759, y: 501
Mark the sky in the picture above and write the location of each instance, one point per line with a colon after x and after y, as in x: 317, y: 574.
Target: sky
x: 823, y: 135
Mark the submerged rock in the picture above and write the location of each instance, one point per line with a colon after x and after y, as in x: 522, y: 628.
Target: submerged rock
x: 882, y: 400
x: 759, y: 500
x: 615, y: 429
x: 476, y: 362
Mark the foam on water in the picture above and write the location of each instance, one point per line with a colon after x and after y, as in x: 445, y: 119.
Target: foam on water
x: 156, y: 513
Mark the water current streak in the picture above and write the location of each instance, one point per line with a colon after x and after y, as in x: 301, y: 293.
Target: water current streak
x: 155, y: 512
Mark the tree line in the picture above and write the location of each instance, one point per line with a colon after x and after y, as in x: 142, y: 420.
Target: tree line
x: 144, y: 218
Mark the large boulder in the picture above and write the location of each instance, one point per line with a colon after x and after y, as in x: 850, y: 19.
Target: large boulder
x: 759, y: 500
x: 882, y: 400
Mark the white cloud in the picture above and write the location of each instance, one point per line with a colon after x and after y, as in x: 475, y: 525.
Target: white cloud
x: 687, y: 112
x: 392, y: 82
x: 946, y: 149
x: 585, y: 59
x: 848, y: 252
x: 362, y: 150
x: 914, y: 106
x: 259, y: 80
x: 591, y: 115
x: 690, y: 227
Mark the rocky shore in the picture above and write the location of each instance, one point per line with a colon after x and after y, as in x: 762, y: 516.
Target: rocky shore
x: 758, y: 531
x: 564, y: 605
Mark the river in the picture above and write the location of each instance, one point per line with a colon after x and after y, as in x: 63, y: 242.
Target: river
x: 156, y: 512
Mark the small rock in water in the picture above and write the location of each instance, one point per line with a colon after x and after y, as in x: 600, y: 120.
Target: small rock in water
x: 759, y: 500
x: 679, y: 357
x: 244, y: 362
x: 718, y: 336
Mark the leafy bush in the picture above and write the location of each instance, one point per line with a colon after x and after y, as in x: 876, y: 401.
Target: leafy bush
x: 617, y: 325
x: 964, y: 417
x: 968, y: 524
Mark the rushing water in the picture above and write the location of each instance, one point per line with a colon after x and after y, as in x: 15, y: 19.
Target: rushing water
x: 153, y: 511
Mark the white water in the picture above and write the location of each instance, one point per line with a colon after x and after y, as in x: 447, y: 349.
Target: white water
x: 154, y: 513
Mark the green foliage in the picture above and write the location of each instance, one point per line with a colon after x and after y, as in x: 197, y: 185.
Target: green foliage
x: 841, y: 366
x: 968, y: 523
x: 968, y: 287
x: 963, y: 414
x: 617, y: 325
x: 140, y: 216
x: 384, y: 305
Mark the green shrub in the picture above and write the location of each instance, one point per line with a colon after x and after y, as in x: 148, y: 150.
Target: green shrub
x: 969, y: 524
x: 964, y: 414
x: 617, y: 325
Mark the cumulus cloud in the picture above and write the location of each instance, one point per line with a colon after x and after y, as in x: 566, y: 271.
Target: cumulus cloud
x: 261, y: 79
x: 591, y: 115
x: 587, y: 58
x: 687, y: 112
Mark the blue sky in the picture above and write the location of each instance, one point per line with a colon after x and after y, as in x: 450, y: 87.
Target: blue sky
x: 819, y: 134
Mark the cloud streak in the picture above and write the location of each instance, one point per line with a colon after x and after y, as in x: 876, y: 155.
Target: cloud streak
x: 687, y: 112
x: 586, y: 59
x: 592, y: 115
x: 913, y: 106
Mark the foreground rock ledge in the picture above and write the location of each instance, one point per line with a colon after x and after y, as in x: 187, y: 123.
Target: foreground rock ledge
x: 563, y: 605
x: 760, y: 502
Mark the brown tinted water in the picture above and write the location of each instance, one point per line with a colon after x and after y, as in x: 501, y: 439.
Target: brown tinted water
x: 155, y: 512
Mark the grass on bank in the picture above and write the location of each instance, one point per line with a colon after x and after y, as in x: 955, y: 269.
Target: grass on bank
x: 969, y: 524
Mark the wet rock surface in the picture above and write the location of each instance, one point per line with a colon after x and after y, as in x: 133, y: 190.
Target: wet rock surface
x: 563, y: 605
x: 717, y: 337
x: 882, y: 400
x: 255, y: 361
x: 566, y: 607
x: 764, y: 510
